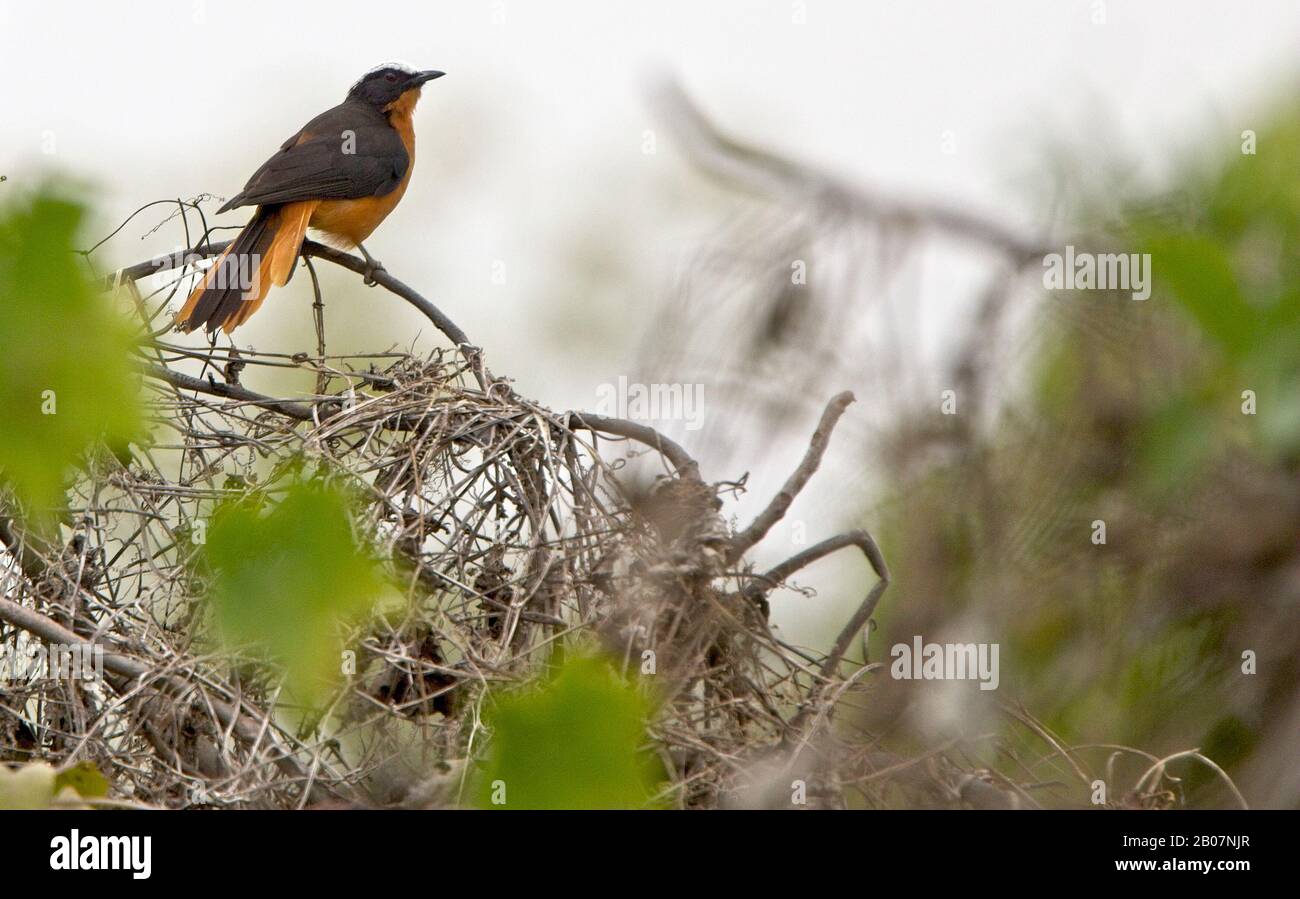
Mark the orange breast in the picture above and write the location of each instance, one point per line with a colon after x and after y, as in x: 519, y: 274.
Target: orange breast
x: 350, y: 222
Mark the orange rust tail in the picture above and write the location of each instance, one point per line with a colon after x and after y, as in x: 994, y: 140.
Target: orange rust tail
x: 262, y: 255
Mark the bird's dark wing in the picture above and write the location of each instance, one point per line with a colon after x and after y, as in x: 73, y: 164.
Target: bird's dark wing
x: 344, y: 153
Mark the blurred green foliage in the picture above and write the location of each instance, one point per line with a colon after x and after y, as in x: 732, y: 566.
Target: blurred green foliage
x: 66, y: 380
x: 83, y: 777
x: 1235, y: 271
x: 1135, y: 417
x: 574, y: 742
x: 287, y: 576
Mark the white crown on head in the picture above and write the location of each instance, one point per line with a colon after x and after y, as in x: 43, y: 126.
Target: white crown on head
x: 400, y: 66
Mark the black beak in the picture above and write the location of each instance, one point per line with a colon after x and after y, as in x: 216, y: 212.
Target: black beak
x: 422, y: 77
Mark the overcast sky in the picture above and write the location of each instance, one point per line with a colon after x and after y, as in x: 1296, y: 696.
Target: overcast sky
x: 539, y: 123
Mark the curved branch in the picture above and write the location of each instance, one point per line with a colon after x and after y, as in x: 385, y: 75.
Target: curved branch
x: 864, y: 541
x: 310, y: 248
x: 780, y: 503
x: 761, y: 171
x: 859, y: 538
x: 685, y: 466
x: 398, y: 288
x: 227, y: 391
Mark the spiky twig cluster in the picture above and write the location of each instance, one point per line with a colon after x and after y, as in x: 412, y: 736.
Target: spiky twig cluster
x: 507, y: 526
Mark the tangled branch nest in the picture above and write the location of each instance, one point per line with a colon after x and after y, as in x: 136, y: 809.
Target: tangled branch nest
x: 510, y: 527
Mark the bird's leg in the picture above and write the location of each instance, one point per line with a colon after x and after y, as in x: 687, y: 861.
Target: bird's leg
x: 372, y: 265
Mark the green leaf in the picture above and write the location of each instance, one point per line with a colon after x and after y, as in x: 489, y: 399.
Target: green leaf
x: 572, y: 743
x: 286, y: 578
x: 83, y: 777
x: 66, y: 378
x: 1198, y: 272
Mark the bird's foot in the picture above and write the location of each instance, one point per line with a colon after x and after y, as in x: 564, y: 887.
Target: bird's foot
x: 373, y: 267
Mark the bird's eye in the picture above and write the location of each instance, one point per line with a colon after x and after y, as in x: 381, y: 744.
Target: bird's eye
x: 390, y: 78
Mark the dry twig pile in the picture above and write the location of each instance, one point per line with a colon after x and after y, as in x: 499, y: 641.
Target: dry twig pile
x: 508, y: 527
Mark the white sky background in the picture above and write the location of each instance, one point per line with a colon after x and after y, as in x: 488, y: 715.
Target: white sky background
x: 532, y: 143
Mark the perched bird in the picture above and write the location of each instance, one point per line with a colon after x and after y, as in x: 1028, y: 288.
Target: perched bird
x: 341, y: 174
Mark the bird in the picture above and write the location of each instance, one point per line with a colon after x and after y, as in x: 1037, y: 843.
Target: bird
x: 341, y: 174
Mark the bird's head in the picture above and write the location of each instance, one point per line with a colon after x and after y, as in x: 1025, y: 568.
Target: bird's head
x: 384, y: 85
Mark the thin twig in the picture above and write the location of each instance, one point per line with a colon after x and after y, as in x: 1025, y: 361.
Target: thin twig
x: 780, y: 503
